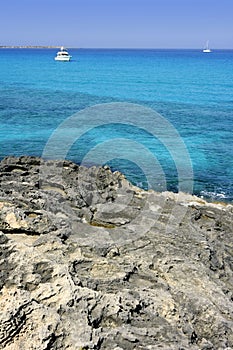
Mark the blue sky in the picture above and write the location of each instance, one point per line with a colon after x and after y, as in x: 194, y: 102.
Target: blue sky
x: 117, y: 23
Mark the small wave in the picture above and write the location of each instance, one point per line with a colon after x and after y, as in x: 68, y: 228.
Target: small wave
x: 222, y: 196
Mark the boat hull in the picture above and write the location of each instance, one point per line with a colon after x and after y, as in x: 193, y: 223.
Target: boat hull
x: 64, y: 59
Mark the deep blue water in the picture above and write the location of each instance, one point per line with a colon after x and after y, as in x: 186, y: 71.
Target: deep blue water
x: 191, y: 90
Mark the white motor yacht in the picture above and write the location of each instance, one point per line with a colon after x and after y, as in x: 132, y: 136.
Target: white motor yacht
x: 63, y: 55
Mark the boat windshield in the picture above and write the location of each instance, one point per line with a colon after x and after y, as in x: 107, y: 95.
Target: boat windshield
x: 62, y: 53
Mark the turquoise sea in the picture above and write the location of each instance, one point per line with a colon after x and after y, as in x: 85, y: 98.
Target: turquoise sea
x: 191, y: 90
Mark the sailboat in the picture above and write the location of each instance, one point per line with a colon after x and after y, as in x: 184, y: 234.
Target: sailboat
x: 206, y: 48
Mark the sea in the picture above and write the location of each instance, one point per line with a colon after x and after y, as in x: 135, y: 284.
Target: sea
x: 161, y: 117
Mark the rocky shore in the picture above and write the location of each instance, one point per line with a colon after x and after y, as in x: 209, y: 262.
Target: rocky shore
x: 88, y: 261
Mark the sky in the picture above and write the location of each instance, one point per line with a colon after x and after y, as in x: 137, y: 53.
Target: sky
x: 117, y: 23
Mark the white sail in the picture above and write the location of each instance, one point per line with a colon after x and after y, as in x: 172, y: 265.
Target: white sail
x: 206, y: 48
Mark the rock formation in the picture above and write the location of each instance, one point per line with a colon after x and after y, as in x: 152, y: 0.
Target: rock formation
x: 88, y: 261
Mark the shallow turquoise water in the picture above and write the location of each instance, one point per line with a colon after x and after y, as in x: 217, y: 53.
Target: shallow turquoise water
x: 192, y: 90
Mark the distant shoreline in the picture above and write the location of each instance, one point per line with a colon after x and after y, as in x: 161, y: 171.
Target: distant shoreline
x: 28, y: 47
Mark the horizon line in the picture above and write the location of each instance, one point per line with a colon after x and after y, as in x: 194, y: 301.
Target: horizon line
x: 104, y: 48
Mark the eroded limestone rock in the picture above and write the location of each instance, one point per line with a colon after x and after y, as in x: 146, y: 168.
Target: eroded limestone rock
x: 88, y: 261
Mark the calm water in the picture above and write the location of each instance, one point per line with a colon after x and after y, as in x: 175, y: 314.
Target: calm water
x: 192, y: 90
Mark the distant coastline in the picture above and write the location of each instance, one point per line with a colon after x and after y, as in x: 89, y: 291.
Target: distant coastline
x: 28, y: 47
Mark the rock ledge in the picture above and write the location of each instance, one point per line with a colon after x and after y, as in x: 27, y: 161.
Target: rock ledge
x: 88, y: 261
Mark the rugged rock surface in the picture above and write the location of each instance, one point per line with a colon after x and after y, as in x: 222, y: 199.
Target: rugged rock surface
x: 88, y: 261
